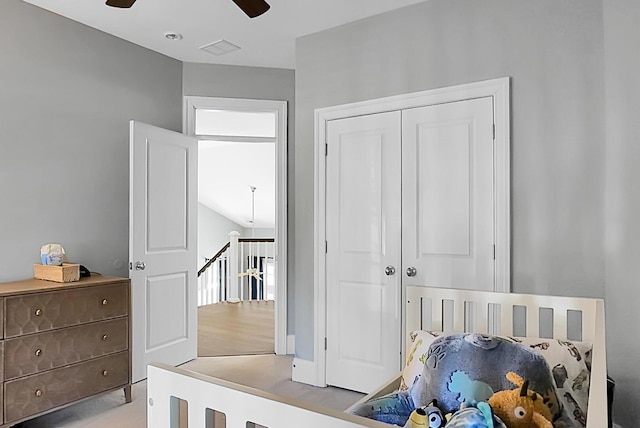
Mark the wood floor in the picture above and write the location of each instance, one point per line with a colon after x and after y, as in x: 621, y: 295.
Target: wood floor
x: 244, y: 328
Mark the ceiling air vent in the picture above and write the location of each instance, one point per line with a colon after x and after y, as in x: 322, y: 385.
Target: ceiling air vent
x: 220, y: 47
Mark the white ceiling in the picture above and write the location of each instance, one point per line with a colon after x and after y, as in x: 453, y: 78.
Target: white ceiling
x: 266, y: 41
x: 226, y: 172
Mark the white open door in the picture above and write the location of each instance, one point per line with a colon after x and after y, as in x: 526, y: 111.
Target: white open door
x: 163, y: 199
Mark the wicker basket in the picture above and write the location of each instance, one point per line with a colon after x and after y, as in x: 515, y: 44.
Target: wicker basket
x: 68, y: 272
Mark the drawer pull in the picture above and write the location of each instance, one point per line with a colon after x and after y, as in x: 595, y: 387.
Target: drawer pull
x: 38, y: 352
x: 104, y: 338
x: 104, y: 302
x: 38, y: 393
x: 105, y: 373
x: 38, y: 312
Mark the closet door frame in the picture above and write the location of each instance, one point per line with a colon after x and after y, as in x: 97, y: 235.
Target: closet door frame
x: 314, y: 373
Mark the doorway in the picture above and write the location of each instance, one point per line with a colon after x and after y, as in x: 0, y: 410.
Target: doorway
x: 242, y: 204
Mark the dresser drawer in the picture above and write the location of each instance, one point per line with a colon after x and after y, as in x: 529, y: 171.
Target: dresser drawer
x: 32, y: 313
x: 34, y: 394
x: 44, y: 351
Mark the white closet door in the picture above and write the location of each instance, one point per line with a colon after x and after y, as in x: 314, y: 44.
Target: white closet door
x: 363, y: 238
x: 448, y: 204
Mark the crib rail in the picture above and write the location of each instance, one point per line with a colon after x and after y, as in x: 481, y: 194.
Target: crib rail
x: 503, y: 313
x: 242, y: 406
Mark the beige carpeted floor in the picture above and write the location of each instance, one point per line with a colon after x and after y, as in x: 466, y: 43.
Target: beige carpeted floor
x: 266, y: 372
x: 224, y: 329
x: 273, y: 374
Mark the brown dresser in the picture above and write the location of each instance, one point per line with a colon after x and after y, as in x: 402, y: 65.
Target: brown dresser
x: 61, y: 343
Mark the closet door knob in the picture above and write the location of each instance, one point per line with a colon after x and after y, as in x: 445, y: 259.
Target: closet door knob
x: 389, y: 270
x: 105, y: 373
x: 411, y: 271
x: 38, y: 312
x: 104, y: 338
x: 38, y: 393
x: 38, y: 352
x: 104, y: 302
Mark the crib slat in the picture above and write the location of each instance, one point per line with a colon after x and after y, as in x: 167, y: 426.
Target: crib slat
x: 560, y: 323
x: 413, y: 310
x: 458, y: 315
x: 481, y: 315
x: 533, y: 321
x: 506, y: 320
x: 436, y: 314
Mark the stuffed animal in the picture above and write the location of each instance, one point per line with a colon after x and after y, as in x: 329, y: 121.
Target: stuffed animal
x: 455, y: 370
x: 428, y: 416
x: 478, y: 415
x: 521, y: 407
x: 470, y: 367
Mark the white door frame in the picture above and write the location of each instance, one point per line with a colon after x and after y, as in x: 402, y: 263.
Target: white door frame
x: 191, y: 103
x: 314, y: 373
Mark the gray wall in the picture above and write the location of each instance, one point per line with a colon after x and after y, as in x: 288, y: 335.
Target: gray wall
x: 67, y: 94
x: 553, y: 53
x: 213, y: 232
x: 564, y: 240
x: 210, y: 80
x: 622, y: 65
x: 260, y: 232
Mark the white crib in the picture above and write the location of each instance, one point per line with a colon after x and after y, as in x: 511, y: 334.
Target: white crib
x: 426, y: 308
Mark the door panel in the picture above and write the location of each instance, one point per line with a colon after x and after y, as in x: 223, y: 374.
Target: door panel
x: 166, y: 294
x: 363, y: 237
x: 443, y: 190
x: 447, y: 190
x: 167, y: 168
x: 163, y: 234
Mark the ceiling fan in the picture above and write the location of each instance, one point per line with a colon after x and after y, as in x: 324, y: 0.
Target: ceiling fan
x: 252, y: 8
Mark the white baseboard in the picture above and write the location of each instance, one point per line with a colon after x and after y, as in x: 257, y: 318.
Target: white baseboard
x: 304, y: 371
x: 291, y: 344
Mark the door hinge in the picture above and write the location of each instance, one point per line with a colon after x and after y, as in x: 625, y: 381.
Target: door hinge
x: 130, y: 266
x: 326, y: 149
x: 325, y: 343
x: 494, y: 131
x: 494, y: 252
x: 326, y: 247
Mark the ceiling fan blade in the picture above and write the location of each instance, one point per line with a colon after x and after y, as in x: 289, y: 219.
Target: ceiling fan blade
x: 252, y: 8
x: 121, y: 3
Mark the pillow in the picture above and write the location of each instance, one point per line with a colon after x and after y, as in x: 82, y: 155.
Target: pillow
x: 570, y: 365
x: 421, y: 341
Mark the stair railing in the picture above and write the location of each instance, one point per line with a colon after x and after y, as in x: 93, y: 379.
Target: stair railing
x: 252, y: 279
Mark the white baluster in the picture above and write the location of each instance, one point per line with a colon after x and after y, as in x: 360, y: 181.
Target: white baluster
x: 232, y: 278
